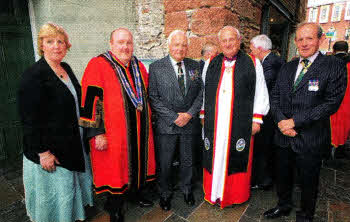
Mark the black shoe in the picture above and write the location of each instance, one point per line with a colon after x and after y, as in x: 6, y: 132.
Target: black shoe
x: 277, y: 212
x: 189, y: 199
x: 261, y: 187
x: 117, y: 217
x: 164, y: 203
x: 144, y: 202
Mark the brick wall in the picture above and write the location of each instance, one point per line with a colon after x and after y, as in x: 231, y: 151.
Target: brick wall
x: 201, y: 19
x: 204, y: 18
x: 339, y: 26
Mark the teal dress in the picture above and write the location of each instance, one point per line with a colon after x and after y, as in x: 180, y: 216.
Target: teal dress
x: 59, y: 196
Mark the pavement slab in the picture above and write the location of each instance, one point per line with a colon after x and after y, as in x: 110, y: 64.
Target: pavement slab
x: 209, y: 213
x: 156, y: 215
x: 8, y: 194
x: 102, y: 217
x: 14, y: 213
x: 175, y: 218
x: 333, y: 204
x: 338, y: 212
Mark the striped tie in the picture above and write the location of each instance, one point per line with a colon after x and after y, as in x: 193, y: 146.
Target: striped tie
x: 306, y: 64
x: 181, y: 78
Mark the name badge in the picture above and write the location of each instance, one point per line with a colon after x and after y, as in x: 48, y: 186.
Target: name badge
x: 313, y: 85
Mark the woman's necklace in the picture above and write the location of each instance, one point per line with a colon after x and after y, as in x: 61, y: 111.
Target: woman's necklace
x: 60, y: 72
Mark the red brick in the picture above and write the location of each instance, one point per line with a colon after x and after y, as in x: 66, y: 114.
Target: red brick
x: 194, y: 49
x: 216, y: 3
x: 211, y: 20
x: 246, y: 9
x: 258, y: 15
x: 175, y: 20
x: 180, y: 5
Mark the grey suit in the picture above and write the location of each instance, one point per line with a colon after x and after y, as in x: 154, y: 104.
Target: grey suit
x: 166, y: 102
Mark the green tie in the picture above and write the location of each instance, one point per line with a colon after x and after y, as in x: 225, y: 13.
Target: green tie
x: 181, y: 78
x: 306, y: 64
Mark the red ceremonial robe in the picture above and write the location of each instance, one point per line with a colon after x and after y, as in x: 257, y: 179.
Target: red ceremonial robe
x: 340, y: 121
x: 112, y: 169
x: 236, y: 185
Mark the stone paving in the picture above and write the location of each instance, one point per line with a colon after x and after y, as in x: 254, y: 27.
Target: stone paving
x: 333, y: 202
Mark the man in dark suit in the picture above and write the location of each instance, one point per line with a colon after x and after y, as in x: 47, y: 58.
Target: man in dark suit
x: 308, y: 90
x: 260, y: 47
x: 340, y: 50
x: 176, y: 92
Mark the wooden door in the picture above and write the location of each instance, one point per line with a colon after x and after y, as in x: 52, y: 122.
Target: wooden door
x: 16, y: 54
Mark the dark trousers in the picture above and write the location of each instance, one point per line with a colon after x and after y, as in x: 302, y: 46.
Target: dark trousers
x: 114, y: 203
x: 167, y: 145
x: 263, y: 156
x: 308, y: 168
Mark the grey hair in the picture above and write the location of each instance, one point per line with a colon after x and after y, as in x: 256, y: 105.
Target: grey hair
x: 229, y: 27
x: 173, y: 33
x: 206, y: 47
x: 262, y: 41
x: 319, y: 28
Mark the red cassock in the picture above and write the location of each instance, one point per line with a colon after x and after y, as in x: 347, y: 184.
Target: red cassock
x: 237, y: 186
x: 340, y: 121
x: 229, y: 110
x: 113, y: 170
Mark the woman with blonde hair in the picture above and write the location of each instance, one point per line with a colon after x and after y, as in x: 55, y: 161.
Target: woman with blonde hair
x: 56, y: 165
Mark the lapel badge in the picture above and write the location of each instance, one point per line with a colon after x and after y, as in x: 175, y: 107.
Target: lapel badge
x: 240, y: 145
x: 193, y: 74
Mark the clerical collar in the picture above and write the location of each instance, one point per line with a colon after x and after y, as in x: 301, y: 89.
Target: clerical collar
x: 230, y: 59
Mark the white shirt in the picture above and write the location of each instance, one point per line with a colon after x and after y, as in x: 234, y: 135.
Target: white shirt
x: 300, y: 66
x: 176, y: 69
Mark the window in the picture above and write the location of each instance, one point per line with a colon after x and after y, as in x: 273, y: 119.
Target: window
x: 337, y: 8
x: 313, y: 14
x: 347, y: 11
x: 324, y: 11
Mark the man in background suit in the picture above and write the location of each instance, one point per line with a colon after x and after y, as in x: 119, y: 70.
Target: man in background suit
x: 340, y: 50
x: 209, y: 50
x: 340, y: 121
x: 175, y: 92
x: 260, y: 47
x: 308, y: 90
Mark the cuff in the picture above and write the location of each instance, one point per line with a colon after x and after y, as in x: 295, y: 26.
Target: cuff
x: 201, y: 114
x: 258, y: 118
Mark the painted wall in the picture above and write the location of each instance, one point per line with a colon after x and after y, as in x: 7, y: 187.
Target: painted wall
x: 87, y: 22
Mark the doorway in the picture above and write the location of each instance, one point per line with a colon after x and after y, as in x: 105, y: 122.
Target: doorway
x: 16, y: 54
